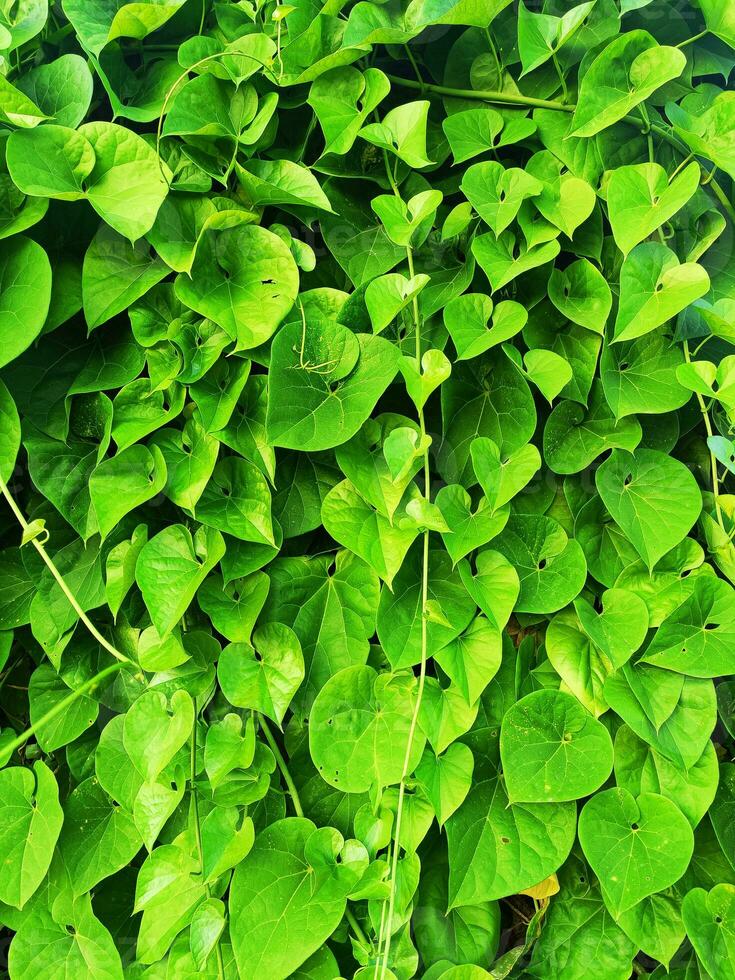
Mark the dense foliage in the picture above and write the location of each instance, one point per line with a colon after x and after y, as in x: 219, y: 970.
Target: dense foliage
x: 368, y: 379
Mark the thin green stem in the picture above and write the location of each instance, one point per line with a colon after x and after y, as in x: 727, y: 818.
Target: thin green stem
x: 712, y: 457
x: 356, y: 927
x: 494, y: 52
x: 485, y: 95
x: 414, y: 65
x: 7, y: 750
x: 684, y: 162
x: 281, y: 763
x: 560, y: 75
x: 198, y: 831
x: 424, y: 638
x: 60, y: 580
x: 691, y: 40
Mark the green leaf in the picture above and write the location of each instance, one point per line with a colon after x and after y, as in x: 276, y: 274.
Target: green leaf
x: 654, y: 287
x: 581, y: 294
x: 31, y: 823
x: 636, y: 846
x: 359, y: 727
x: 140, y: 471
x: 342, y: 100
x: 112, y: 19
x: 626, y: 72
x: 355, y: 525
x: 497, y: 848
x: 25, y: 294
x: 155, y: 729
x: 237, y: 501
x: 243, y: 278
x: 541, y: 35
x: 553, y: 750
x: 400, y: 622
x: 265, y: 676
x: 324, y: 383
x: 402, y: 131
x: 550, y: 565
x: 10, y: 429
x: 708, y: 918
x: 446, y: 778
x: 640, y: 199
x: 574, y: 436
x: 619, y: 628
x: 295, y: 880
x: 468, y: 528
x: 170, y: 569
x: 281, y: 182
x: 652, y: 497
x: 73, y: 941
x: 467, y: 318
x: 474, y: 131
x: 496, y: 193
x: 696, y: 638
x: 639, y: 768
x: 99, y: 837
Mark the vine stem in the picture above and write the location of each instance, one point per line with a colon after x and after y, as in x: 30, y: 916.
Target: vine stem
x: 509, y: 98
x: 7, y: 750
x: 48, y: 561
x: 198, y: 832
x: 712, y: 457
x: 424, y: 625
x: 691, y: 40
x: 281, y: 763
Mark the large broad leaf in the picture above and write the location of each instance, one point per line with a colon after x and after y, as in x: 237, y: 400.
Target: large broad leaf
x: 30, y: 826
x: 640, y: 768
x: 553, y: 750
x: 400, y: 613
x: 497, y: 848
x: 293, y: 883
x: 357, y: 526
x: 698, y: 637
x: 625, y: 73
x: 574, y: 436
x: 99, y: 837
x: 636, y: 846
x: 243, y: 278
x: 331, y: 606
x: 73, y: 941
x: 708, y: 917
x: 654, y: 287
x: 110, y: 19
x: 265, y: 676
x: 171, y: 567
x: 578, y: 921
x: 640, y: 199
x: 551, y: 566
x: 25, y: 294
x: 653, y: 497
x: 359, y: 729
x: 342, y: 100
x: 324, y: 382
x: 112, y: 167
x: 708, y: 131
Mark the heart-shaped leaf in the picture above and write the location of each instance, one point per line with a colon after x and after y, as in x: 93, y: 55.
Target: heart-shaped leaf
x: 652, y: 497
x: 654, y: 287
x: 265, y: 676
x: 635, y: 846
x: 553, y: 750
